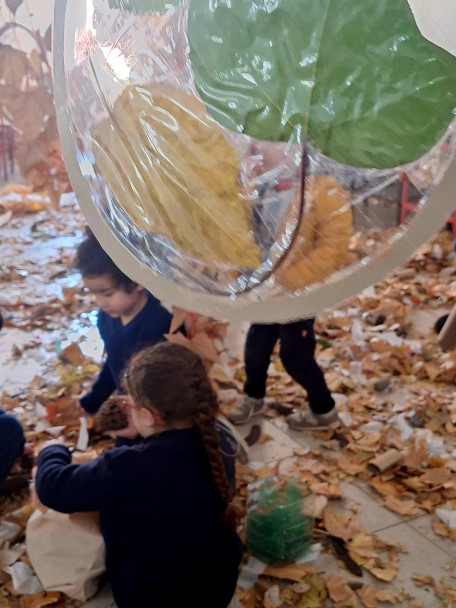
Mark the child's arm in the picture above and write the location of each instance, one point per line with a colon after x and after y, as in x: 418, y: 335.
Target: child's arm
x: 102, y: 388
x: 68, y: 488
x: 447, y: 335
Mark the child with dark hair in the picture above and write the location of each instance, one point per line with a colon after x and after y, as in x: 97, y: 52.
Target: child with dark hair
x: 162, y: 502
x: 12, y: 444
x: 129, y: 319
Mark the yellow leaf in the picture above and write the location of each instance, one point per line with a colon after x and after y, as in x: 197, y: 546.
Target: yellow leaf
x: 35, y: 61
x: 264, y: 437
x: 176, y: 177
x: 315, y: 597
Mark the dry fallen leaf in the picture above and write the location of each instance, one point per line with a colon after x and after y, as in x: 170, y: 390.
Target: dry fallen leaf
x: 367, y: 596
x: 385, y: 571
x: 387, y: 595
x: 403, y: 507
x: 341, y: 526
x: 290, y: 572
x: 338, y: 588
x: 436, y: 477
x: 361, y: 550
x: 330, y: 489
x: 423, y: 579
x: 72, y: 355
x: 38, y: 600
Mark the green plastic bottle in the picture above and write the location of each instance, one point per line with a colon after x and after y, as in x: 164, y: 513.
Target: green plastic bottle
x: 277, y: 531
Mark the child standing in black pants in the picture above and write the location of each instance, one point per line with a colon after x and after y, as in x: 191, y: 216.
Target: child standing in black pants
x: 162, y: 502
x: 297, y: 352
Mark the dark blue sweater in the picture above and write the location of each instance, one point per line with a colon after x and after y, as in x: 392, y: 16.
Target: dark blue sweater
x: 121, y: 342
x: 161, y: 518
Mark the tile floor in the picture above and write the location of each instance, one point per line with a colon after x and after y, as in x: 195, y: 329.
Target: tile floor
x: 425, y: 553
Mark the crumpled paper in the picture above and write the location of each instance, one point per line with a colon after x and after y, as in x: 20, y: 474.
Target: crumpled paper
x: 24, y: 578
x: 83, y: 439
x: 9, y: 531
x: 9, y: 556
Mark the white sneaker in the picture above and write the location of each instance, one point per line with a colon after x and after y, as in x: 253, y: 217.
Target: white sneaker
x: 306, y: 420
x: 245, y: 409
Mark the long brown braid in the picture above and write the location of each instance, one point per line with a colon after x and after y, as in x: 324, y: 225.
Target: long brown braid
x: 172, y: 380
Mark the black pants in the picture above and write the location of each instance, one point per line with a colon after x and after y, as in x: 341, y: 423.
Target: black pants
x: 297, y: 350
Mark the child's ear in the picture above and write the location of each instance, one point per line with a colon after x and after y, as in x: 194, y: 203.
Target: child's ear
x: 146, y: 417
x: 150, y: 418
x: 139, y: 288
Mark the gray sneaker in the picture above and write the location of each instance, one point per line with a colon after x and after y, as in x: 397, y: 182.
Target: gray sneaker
x: 245, y: 409
x: 306, y: 420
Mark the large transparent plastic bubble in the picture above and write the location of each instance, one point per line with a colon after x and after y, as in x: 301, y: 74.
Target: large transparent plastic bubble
x: 255, y: 159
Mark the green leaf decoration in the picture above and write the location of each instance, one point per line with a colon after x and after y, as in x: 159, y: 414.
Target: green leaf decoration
x: 143, y: 6
x: 356, y: 78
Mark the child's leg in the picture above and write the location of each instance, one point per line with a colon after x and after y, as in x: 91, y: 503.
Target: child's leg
x: 259, y: 345
x: 12, y: 442
x: 257, y: 355
x: 297, y: 351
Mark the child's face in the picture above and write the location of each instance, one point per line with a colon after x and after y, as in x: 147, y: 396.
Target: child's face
x: 115, y: 301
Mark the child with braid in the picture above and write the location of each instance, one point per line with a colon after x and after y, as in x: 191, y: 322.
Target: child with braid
x: 162, y: 502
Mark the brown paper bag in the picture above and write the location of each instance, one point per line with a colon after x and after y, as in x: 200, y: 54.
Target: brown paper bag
x: 66, y: 551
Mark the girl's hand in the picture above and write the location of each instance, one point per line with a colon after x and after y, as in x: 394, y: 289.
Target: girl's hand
x: 29, y: 450
x: 59, y: 441
x: 130, y: 432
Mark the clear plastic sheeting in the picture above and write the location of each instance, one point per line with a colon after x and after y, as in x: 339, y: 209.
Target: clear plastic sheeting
x: 213, y: 180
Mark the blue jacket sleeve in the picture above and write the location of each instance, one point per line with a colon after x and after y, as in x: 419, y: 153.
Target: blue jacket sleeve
x: 102, y: 388
x: 70, y: 488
